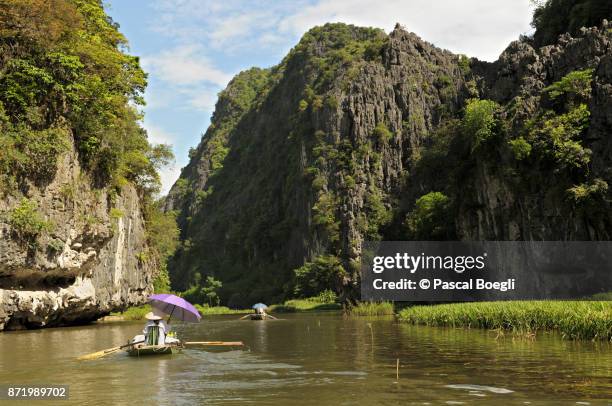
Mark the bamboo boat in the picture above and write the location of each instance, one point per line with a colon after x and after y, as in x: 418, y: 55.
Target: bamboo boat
x: 138, y: 350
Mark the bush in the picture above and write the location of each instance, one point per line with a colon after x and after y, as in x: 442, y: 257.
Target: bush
x: 431, y: 218
x: 576, y: 83
x: 382, y: 133
x: 313, y: 278
x: 557, y: 135
x: 520, y: 148
x: 479, y: 121
x: 597, y: 189
x: 26, y: 221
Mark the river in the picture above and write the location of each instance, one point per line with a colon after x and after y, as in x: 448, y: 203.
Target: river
x: 314, y: 359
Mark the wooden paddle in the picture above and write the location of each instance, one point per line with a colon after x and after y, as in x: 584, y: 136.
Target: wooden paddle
x: 103, y: 353
x: 226, y: 343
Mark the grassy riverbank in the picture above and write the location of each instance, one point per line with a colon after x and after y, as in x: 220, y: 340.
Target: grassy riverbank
x: 372, y: 309
x: 212, y: 310
x: 576, y: 320
x: 304, y: 305
x: 139, y: 312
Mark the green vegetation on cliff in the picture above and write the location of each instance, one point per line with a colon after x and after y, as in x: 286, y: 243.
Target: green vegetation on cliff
x: 66, y: 83
x: 64, y: 74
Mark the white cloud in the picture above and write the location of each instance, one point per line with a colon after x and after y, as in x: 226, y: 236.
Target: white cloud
x: 168, y: 174
x: 474, y: 27
x: 184, y: 65
x: 158, y: 135
x: 203, y: 100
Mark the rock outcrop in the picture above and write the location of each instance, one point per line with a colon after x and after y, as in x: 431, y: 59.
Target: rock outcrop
x: 335, y: 146
x: 85, y: 266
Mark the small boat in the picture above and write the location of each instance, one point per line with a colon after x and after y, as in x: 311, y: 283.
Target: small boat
x: 137, y: 350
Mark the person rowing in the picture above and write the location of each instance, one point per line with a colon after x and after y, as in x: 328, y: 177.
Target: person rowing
x: 260, y: 313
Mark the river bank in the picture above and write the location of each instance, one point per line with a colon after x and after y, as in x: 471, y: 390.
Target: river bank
x: 574, y: 320
x: 289, y: 306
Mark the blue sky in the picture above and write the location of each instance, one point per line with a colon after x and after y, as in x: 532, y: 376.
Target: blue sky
x: 192, y: 48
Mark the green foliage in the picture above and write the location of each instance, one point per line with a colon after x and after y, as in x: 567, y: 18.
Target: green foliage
x: 520, y: 148
x: 324, y: 214
x: 327, y: 296
x: 134, y: 313
x: 55, y: 245
x: 182, y: 187
x: 464, y: 64
x: 63, y: 72
x: 575, y: 320
x: 30, y: 153
x: 161, y: 281
x: 372, y: 309
x: 162, y: 240
x: 479, y: 122
x: 325, y: 301
x: 382, y: 133
x: 26, y: 221
x: 210, y: 290
x: 589, y: 192
x: 218, y: 154
x: 115, y: 213
x: 557, y: 136
x: 303, y: 105
x: 330, y: 48
x: 577, y: 83
x: 430, y: 219
x: 207, y: 310
x: 313, y: 278
x: 331, y: 102
x: 552, y: 18
x: 376, y: 214
x: 204, y: 293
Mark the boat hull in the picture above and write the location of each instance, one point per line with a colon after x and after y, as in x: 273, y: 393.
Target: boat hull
x: 145, y: 350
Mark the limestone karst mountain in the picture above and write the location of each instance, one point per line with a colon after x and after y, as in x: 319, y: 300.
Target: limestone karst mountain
x: 359, y: 135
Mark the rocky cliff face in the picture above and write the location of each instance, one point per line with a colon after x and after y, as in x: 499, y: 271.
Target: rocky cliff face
x: 535, y: 199
x: 85, y: 266
x: 358, y: 135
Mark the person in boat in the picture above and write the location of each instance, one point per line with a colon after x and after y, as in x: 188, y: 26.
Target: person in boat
x: 155, y: 329
x: 260, y: 314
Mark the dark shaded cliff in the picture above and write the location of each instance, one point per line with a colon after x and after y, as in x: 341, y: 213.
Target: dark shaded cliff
x: 358, y: 135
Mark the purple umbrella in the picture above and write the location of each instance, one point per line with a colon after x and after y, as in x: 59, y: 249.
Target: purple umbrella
x: 175, y: 306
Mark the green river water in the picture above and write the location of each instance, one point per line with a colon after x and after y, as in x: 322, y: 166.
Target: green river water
x: 313, y: 359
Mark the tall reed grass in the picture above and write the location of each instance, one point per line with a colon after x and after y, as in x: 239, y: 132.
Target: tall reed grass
x: 576, y: 320
x: 372, y: 309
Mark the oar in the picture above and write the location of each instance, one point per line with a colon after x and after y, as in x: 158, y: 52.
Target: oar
x: 103, y: 353
x: 226, y: 343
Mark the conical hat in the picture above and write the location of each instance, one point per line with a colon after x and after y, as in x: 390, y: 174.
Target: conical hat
x: 152, y: 316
